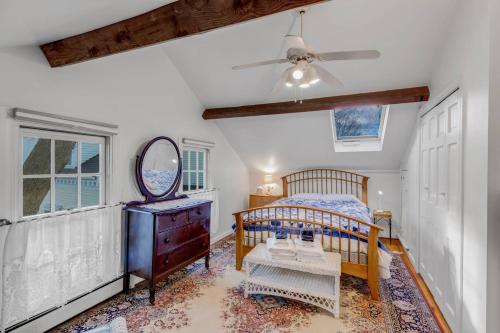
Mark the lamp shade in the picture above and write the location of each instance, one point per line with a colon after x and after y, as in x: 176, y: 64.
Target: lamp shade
x: 268, y: 179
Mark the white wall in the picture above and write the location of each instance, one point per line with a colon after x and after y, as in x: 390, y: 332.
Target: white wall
x: 140, y: 91
x: 493, y: 319
x: 388, y: 182
x: 410, y: 216
x: 464, y: 62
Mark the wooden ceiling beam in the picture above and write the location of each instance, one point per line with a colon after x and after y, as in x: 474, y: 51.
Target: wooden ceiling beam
x: 388, y: 97
x: 178, y: 19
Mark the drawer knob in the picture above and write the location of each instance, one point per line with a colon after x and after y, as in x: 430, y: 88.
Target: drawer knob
x: 173, y: 218
x: 198, y: 212
x: 165, y: 261
x: 166, y: 240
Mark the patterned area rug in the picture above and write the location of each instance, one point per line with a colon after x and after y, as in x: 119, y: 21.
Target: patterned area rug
x: 197, y: 300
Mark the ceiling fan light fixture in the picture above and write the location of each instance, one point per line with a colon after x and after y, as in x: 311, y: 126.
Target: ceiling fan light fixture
x: 289, y: 84
x: 304, y: 84
x: 312, y: 76
x: 315, y: 80
x: 298, y: 74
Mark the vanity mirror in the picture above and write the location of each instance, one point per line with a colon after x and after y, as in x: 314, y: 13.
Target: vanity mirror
x: 159, y: 169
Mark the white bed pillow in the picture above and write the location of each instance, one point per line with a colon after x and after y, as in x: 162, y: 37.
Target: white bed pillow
x: 340, y: 197
x: 326, y: 197
x: 308, y: 196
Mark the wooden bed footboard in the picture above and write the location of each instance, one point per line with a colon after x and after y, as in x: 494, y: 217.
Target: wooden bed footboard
x: 355, y: 240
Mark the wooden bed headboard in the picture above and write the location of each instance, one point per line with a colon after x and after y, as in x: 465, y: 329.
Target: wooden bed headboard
x: 326, y: 181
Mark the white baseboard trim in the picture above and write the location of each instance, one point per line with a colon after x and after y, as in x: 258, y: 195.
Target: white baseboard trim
x: 221, y: 236
x: 410, y: 255
x: 60, y: 315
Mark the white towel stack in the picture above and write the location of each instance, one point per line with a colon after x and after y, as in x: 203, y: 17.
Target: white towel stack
x: 281, y: 249
x: 310, y: 252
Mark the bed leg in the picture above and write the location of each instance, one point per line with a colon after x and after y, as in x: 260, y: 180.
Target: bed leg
x: 239, y: 241
x: 373, y: 284
x: 373, y: 263
x: 239, y: 263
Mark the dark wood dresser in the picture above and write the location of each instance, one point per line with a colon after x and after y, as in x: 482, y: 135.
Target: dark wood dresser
x: 164, y: 237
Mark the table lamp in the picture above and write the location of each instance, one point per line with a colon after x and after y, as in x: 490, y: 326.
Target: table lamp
x: 380, y: 198
x: 268, y: 181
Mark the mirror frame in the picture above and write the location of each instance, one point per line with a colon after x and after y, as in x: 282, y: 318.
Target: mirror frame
x: 169, y: 194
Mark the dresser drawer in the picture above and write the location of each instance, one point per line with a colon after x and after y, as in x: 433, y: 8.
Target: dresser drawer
x: 200, y: 213
x: 180, y: 255
x: 172, y: 220
x: 174, y: 237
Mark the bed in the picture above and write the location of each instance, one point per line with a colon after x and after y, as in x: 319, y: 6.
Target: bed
x: 334, y: 204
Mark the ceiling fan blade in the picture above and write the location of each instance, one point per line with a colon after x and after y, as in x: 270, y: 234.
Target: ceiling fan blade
x: 295, y: 42
x: 278, y: 87
x: 348, y: 55
x: 326, y: 77
x: 261, y: 63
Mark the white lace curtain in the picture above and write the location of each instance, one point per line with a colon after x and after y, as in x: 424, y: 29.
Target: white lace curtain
x: 48, y: 262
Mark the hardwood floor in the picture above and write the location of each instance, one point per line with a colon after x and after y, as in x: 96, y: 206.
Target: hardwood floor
x: 396, y: 247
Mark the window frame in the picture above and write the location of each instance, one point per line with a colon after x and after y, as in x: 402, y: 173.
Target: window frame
x: 57, y: 135
x: 360, y: 143
x: 206, y: 169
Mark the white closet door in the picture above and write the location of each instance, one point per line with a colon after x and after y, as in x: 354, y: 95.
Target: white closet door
x: 440, y: 206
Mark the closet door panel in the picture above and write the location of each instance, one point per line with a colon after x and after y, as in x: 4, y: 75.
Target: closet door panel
x: 452, y: 214
x: 426, y: 235
x: 440, y: 202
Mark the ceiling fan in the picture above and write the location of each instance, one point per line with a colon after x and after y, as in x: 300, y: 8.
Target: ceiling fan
x: 304, y: 72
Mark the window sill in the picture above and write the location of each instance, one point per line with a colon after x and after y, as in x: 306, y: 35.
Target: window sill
x: 358, y: 146
x: 199, y: 191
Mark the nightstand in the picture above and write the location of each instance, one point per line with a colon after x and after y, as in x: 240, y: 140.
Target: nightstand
x: 259, y: 200
x: 384, y: 215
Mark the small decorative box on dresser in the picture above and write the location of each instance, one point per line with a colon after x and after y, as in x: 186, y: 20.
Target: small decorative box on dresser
x: 165, y: 237
x: 259, y: 200
x: 165, y: 232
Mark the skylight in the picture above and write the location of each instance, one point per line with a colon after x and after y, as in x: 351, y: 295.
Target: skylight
x: 359, y: 128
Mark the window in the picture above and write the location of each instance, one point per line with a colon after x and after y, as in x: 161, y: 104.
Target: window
x: 194, y: 169
x: 359, y: 128
x: 61, y: 171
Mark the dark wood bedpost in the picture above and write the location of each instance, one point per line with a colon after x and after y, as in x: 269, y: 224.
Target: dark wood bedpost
x: 285, y: 187
x: 364, y: 187
x: 239, y: 241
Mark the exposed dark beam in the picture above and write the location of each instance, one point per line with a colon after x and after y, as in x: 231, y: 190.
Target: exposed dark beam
x: 178, y: 19
x: 398, y: 96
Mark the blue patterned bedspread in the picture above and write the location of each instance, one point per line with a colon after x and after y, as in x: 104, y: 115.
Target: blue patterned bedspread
x: 350, y: 207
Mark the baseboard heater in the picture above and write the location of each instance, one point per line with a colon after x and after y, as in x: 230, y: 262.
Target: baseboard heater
x: 41, y: 322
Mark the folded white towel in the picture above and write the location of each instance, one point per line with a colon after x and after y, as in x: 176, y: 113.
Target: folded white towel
x: 309, y: 249
x: 280, y: 247
x: 281, y: 257
x: 311, y: 259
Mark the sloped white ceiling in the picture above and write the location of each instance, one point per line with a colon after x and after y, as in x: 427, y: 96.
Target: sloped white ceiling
x: 295, y: 141
x: 408, y: 33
